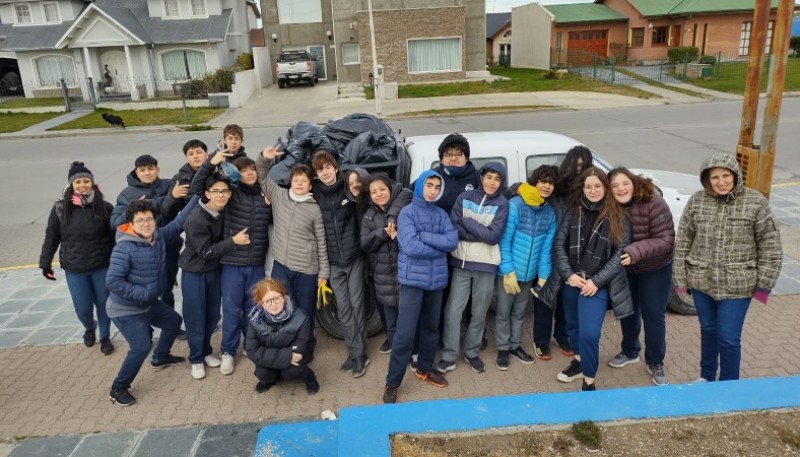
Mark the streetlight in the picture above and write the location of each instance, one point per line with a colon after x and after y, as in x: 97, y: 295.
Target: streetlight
x: 374, y: 60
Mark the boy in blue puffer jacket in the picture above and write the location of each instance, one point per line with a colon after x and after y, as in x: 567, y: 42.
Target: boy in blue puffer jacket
x: 425, y: 235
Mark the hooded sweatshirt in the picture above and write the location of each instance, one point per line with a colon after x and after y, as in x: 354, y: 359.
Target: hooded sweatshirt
x: 727, y: 246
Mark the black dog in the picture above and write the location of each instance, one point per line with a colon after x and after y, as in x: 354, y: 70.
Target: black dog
x: 113, y: 120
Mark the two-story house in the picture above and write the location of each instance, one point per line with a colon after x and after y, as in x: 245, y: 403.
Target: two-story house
x: 136, y: 47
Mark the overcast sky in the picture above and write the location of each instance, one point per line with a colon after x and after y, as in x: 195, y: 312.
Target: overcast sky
x: 504, y: 6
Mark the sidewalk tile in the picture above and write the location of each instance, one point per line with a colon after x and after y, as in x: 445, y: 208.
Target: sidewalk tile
x: 12, y: 338
x: 13, y: 306
x: 230, y: 440
x: 172, y: 441
x: 117, y: 444
x: 47, y: 447
x: 27, y: 320
x: 51, y: 335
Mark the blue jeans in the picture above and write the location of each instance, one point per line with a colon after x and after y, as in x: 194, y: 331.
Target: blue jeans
x: 416, y: 306
x: 584, y: 317
x: 237, y: 282
x: 721, y: 323
x: 137, y: 332
x: 89, y: 293
x: 391, y: 313
x: 650, y: 292
x: 302, y: 289
x: 543, y: 318
x: 171, y: 254
x: 201, y: 303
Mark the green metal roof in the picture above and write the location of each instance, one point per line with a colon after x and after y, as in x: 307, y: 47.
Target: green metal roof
x: 680, y: 7
x: 583, y: 12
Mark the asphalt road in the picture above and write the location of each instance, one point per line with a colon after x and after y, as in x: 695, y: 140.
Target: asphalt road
x: 673, y: 137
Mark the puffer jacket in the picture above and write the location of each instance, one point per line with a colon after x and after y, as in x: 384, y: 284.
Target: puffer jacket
x: 341, y: 221
x: 382, y: 251
x: 136, y: 276
x: 205, y: 242
x: 527, y: 241
x: 425, y: 236
x: 269, y: 345
x: 653, y: 235
x: 156, y: 192
x: 727, y: 246
x: 299, y: 240
x: 480, y: 220
x: 611, y: 275
x: 85, y: 241
x: 455, y: 181
x: 171, y: 205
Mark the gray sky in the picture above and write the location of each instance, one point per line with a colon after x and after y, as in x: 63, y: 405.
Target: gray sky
x: 504, y: 6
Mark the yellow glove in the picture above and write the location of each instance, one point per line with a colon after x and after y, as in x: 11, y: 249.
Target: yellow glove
x: 537, y: 289
x: 323, y: 294
x: 510, y: 284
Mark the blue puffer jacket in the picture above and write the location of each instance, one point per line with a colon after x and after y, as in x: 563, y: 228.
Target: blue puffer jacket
x: 527, y: 241
x: 425, y: 236
x: 136, y: 276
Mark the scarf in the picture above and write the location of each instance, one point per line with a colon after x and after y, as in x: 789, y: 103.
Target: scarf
x: 588, y: 242
x: 83, y: 200
x: 530, y: 195
x: 300, y: 198
x: 259, y: 316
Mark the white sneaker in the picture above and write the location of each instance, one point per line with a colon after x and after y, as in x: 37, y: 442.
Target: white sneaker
x: 211, y: 361
x: 227, y: 364
x: 198, y: 371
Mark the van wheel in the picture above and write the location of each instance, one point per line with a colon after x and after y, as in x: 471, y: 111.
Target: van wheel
x: 677, y: 305
x: 329, y: 320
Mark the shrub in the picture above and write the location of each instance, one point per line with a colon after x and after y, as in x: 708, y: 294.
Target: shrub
x: 680, y: 54
x: 219, y: 81
x: 197, y: 89
x: 588, y: 433
x: 710, y: 60
x: 244, y: 62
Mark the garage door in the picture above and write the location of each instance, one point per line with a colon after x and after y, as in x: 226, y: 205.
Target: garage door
x: 584, y: 46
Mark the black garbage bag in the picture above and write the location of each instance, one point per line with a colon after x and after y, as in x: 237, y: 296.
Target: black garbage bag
x: 300, y: 129
x: 370, y: 147
x: 299, y: 151
x: 342, y: 131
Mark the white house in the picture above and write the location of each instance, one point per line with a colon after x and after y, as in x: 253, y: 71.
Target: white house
x: 144, y: 46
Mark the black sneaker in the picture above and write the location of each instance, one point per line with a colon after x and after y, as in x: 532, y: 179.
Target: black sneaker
x: 475, y: 363
x: 360, y: 366
x: 89, y: 337
x: 413, y: 363
x: 523, y: 356
x: 587, y: 387
x: 502, y: 360
x: 566, y: 349
x: 168, y: 360
x: 105, y: 346
x: 263, y: 386
x: 386, y: 347
x: 390, y: 394
x: 572, y: 372
x: 181, y: 335
x: 121, y: 397
x: 346, y: 366
x: 312, y: 385
x: 433, y: 377
x: 542, y: 351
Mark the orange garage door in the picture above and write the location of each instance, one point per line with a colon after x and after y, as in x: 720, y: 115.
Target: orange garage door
x: 584, y: 45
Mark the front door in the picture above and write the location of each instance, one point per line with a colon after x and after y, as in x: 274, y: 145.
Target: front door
x: 115, y: 65
x: 675, y: 38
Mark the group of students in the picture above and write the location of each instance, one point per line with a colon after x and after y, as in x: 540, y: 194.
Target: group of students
x: 431, y: 257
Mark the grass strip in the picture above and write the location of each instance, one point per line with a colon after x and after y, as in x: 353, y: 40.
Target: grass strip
x: 14, y: 122
x: 140, y: 118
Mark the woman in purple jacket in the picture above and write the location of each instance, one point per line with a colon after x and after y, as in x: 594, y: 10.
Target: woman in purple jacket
x: 648, y: 263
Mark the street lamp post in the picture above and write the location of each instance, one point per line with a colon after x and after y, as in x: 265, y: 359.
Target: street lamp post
x: 375, y: 78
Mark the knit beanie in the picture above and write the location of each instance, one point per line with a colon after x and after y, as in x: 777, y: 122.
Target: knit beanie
x: 78, y: 170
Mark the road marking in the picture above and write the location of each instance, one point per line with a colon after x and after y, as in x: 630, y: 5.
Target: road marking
x: 787, y: 184
x: 24, y: 267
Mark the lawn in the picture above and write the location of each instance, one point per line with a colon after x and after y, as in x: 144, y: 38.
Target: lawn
x: 731, y: 77
x: 139, y: 118
x: 14, y: 122
x: 31, y: 102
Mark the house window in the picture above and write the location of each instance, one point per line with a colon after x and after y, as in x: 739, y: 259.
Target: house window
x: 507, y: 34
x: 23, y: 13
x: 351, y: 54
x: 51, y: 12
x: 183, y: 64
x: 559, y: 40
x: 744, y: 38
x: 660, y: 36
x: 637, y: 36
x: 299, y: 11
x: 171, y: 8
x: 440, y: 54
x: 768, y: 45
x: 198, y: 7
x: 52, y: 69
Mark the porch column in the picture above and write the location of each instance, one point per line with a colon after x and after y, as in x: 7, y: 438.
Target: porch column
x: 134, y: 89
x: 87, y: 66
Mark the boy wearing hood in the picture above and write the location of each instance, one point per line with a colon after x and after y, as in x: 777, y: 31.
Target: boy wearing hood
x: 425, y: 235
x: 479, y: 216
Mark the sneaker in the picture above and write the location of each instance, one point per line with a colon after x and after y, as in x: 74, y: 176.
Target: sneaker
x: 386, y: 347
x: 433, y: 377
x: 226, y: 367
x: 523, y: 356
x: 360, y: 366
x: 444, y: 366
x: 587, y: 387
x: 198, y: 371
x: 312, y: 385
x: 390, y: 394
x: 413, y: 363
x: 620, y: 360
x: 105, y: 346
x: 566, y: 349
x: 89, y: 337
x: 572, y: 372
x: 542, y: 351
x: 659, y: 374
x: 211, y: 361
x: 181, y: 335
x: 262, y: 386
x: 346, y: 366
x: 170, y: 359
x: 121, y: 397
x: 502, y: 360
x: 475, y: 363
x: 700, y: 380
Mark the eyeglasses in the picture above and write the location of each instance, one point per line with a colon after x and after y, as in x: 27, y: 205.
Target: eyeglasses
x: 148, y: 220
x: 275, y: 300
x: 453, y: 155
x: 219, y: 192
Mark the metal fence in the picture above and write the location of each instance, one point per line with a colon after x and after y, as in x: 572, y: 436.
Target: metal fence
x: 96, y: 91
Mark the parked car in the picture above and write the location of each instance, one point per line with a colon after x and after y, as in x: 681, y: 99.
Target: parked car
x: 295, y: 66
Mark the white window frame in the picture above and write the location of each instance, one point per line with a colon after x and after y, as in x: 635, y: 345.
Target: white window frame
x: 44, y: 13
x: 744, y: 38
x: 164, y: 6
x: 204, y: 4
x: 36, y: 60
x: 287, y: 9
x: 16, y: 14
x: 460, y: 51
x: 167, y: 51
x: 358, y: 54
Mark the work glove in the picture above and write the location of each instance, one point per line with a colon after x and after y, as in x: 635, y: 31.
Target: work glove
x: 537, y: 289
x: 49, y: 274
x: 324, y: 294
x: 510, y: 284
x: 761, y: 295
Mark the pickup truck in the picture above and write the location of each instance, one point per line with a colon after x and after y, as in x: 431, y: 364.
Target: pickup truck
x: 295, y: 66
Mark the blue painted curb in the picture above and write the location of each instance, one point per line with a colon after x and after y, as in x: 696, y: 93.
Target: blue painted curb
x: 365, y: 430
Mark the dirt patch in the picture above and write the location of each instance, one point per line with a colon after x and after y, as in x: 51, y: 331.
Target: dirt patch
x: 766, y: 433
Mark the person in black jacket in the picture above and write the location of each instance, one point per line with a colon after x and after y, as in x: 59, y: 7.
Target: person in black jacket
x: 79, y: 223
x: 205, y: 245
x: 278, y: 338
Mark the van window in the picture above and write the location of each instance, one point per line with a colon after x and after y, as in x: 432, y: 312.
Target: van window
x: 479, y: 162
x: 535, y: 161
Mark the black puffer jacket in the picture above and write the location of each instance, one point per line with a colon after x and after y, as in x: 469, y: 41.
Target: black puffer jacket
x: 86, y: 242
x: 205, y: 243
x: 156, y: 192
x: 381, y: 250
x: 341, y: 222
x: 269, y: 345
x: 171, y: 206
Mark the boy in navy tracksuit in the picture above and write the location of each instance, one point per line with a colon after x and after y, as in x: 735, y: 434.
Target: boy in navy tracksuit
x: 425, y: 235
